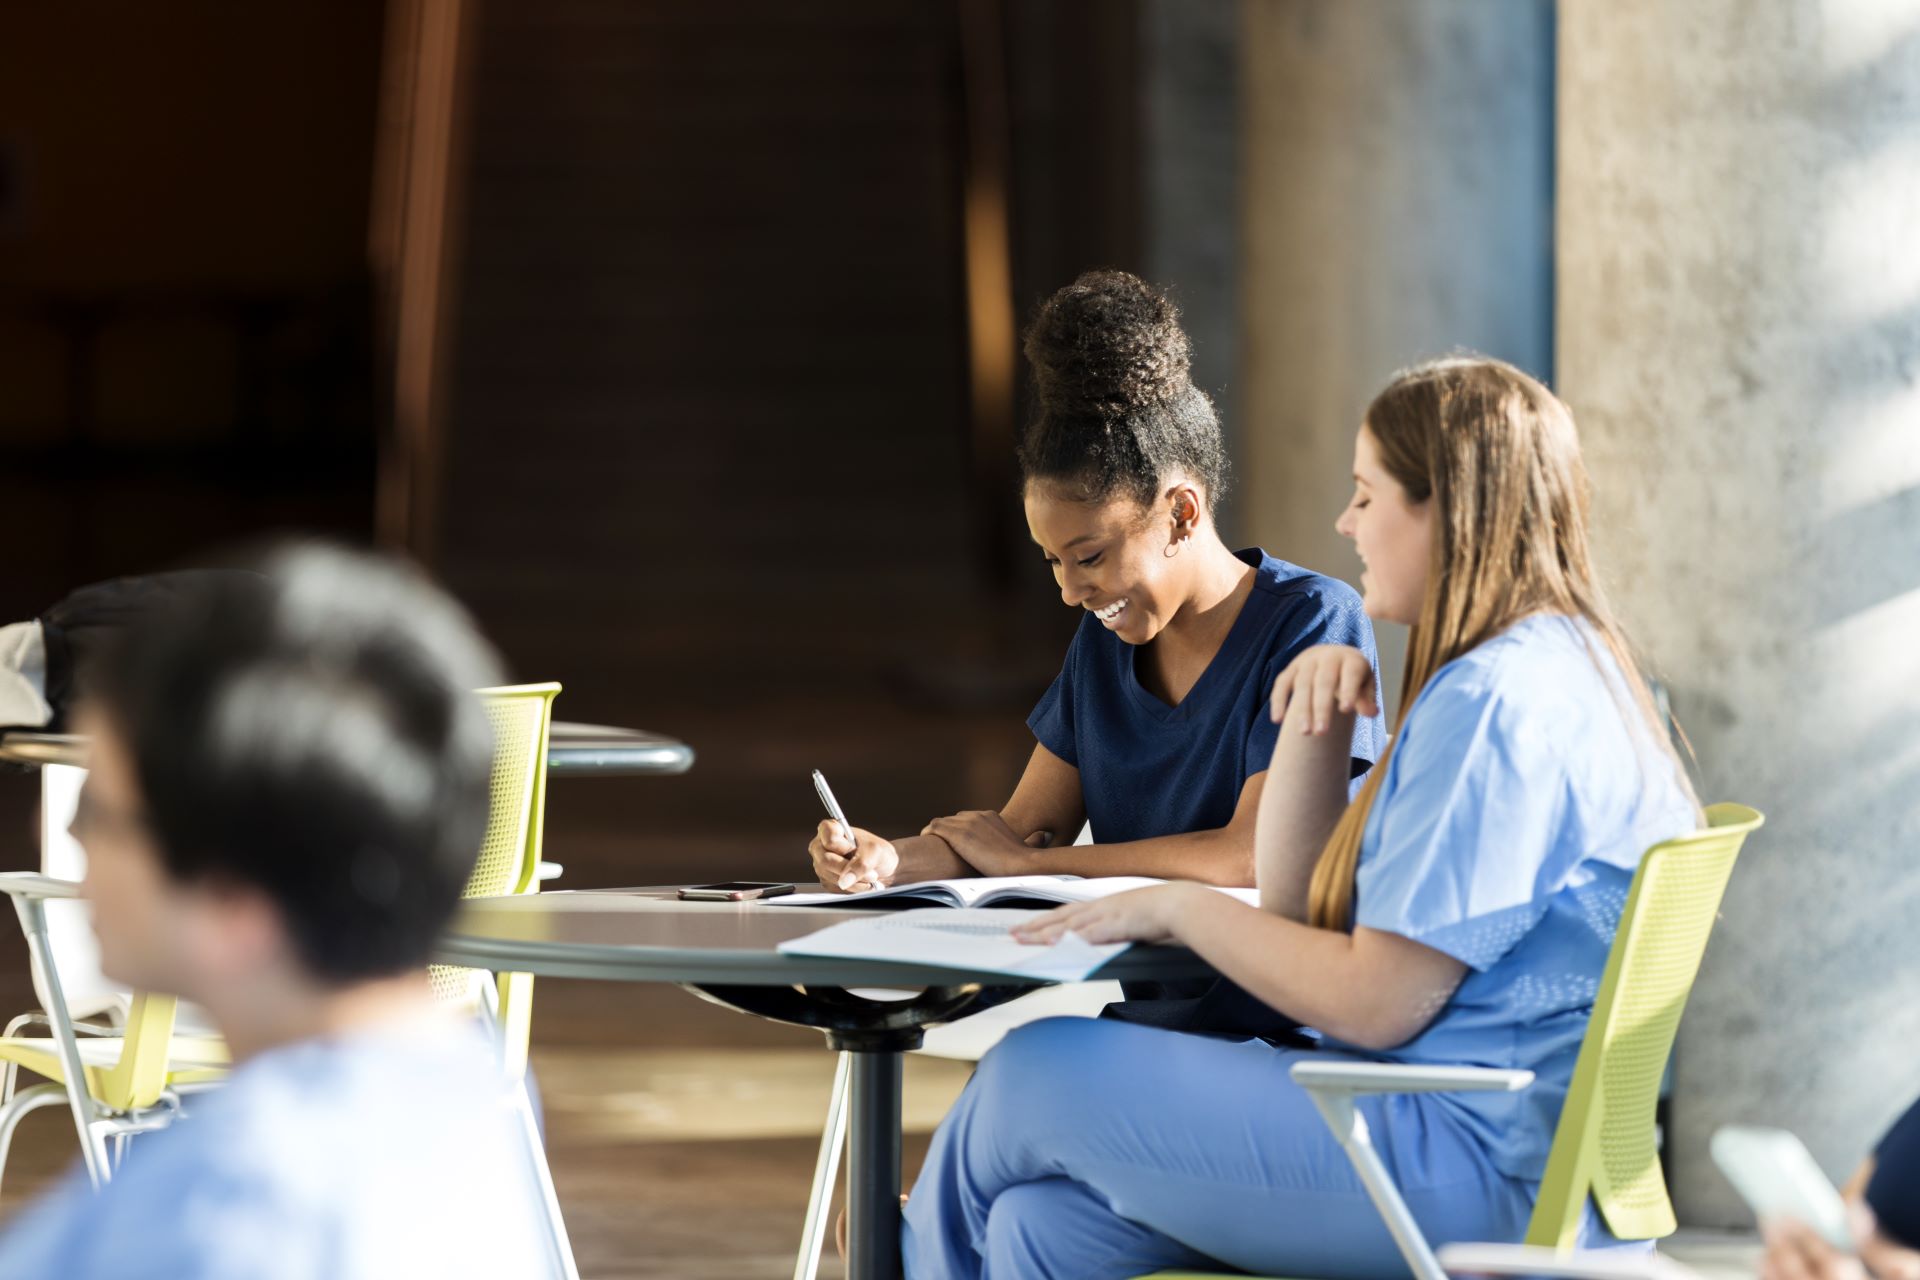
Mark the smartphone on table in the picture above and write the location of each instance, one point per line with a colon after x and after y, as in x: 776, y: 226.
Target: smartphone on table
x: 1778, y: 1177
x: 735, y: 891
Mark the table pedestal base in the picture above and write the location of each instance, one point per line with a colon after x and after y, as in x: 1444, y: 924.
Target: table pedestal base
x: 876, y: 1032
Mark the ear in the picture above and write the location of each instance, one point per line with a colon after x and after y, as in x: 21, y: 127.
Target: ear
x: 241, y: 929
x: 1184, y: 505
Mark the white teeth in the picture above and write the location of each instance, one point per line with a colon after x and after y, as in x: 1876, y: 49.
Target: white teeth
x: 1111, y: 612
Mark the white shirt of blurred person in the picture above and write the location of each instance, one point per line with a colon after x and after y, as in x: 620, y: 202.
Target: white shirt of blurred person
x: 362, y: 1132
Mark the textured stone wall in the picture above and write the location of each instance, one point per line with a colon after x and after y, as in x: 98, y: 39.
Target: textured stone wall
x: 1739, y: 336
x: 1397, y: 179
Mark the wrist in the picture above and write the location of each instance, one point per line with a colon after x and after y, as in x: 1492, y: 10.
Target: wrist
x: 1188, y: 907
x: 935, y: 859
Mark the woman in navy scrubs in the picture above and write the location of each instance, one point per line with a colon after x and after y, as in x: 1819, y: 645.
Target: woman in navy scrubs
x: 1156, y: 730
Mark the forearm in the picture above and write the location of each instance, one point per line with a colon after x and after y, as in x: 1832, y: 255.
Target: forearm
x: 1220, y: 857
x: 1305, y: 793
x: 1351, y: 987
x: 928, y: 858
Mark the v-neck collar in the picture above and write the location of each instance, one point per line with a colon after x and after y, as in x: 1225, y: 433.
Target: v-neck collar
x: 1157, y: 707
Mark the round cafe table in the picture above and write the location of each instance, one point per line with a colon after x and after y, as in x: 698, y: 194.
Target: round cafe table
x: 725, y: 952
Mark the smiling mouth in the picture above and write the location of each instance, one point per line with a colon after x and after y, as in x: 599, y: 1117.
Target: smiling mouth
x: 1112, y: 612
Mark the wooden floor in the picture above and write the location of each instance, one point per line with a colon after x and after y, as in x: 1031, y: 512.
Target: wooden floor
x: 682, y: 1136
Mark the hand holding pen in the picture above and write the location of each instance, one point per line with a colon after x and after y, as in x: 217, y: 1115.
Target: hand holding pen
x: 845, y: 857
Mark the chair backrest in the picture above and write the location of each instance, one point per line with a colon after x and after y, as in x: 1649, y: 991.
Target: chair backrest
x: 70, y: 942
x: 509, y: 857
x: 1606, y: 1145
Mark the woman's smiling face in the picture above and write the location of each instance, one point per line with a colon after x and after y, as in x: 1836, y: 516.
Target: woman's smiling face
x: 1110, y: 557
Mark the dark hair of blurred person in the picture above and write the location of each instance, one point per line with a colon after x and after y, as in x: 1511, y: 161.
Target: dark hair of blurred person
x: 312, y: 735
x: 287, y: 788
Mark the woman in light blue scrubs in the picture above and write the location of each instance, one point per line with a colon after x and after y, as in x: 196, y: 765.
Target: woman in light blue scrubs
x: 1156, y: 730
x: 1460, y: 911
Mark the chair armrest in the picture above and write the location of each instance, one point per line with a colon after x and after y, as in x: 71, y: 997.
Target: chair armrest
x: 39, y: 1018
x: 1538, y: 1260
x: 31, y: 884
x: 1396, y: 1077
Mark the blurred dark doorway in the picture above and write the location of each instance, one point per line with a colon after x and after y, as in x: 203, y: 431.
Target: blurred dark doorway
x: 185, y: 338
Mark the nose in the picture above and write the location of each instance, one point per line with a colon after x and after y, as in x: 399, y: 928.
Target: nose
x: 1074, y: 590
x: 1344, y: 525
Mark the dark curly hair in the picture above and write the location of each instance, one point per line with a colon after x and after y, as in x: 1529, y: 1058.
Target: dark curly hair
x: 1118, y: 411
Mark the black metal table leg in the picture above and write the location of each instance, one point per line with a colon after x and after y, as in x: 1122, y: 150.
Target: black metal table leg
x: 876, y: 1033
x: 873, y: 1167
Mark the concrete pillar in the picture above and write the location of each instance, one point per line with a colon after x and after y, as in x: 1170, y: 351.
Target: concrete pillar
x: 1739, y: 337
x: 1397, y: 182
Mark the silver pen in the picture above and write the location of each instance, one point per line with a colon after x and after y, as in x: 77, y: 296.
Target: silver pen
x: 833, y: 806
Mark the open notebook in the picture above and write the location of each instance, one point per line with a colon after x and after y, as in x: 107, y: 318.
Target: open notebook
x: 988, y: 891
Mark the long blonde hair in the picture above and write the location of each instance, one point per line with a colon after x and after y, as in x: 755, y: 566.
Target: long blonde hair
x: 1496, y: 453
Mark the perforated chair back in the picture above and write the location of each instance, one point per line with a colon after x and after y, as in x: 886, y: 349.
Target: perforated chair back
x: 1605, y: 1145
x: 509, y: 856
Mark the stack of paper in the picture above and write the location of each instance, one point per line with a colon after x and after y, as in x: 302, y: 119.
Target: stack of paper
x: 964, y: 938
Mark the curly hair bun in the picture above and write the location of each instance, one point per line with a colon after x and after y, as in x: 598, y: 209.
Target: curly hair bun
x: 1107, y: 346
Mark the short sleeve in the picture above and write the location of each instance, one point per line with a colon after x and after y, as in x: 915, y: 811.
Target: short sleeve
x: 1320, y: 621
x: 1466, y: 827
x: 1893, y: 1193
x: 1052, y: 717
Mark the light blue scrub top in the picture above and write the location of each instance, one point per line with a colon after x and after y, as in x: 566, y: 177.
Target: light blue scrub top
x: 1516, y: 805
x: 355, y: 1158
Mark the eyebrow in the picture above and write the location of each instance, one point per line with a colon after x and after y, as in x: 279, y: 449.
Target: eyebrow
x: 1085, y: 537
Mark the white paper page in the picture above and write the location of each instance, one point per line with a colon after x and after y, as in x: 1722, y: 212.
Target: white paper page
x: 963, y: 938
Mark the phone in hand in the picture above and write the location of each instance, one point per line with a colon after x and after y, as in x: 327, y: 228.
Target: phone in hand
x: 1777, y: 1176
x: 735, y: 891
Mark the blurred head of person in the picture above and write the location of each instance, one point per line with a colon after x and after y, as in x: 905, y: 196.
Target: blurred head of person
x: 288, y: 779
x: 1123, y: 465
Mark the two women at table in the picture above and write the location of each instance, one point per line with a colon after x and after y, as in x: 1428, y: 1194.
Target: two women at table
x: 1458, y: 910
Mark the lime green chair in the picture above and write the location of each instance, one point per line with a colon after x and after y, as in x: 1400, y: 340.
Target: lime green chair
x: 134, y: 1073
x: 509, y: 859
x: 1605, y: 1146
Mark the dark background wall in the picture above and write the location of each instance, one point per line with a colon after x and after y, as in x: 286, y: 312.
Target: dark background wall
x: 708, y: 454
x: 184, y: 340
x: 710, y: 459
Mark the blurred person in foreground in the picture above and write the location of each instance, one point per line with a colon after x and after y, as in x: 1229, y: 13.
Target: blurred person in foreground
x: 1883, y: 1204
x: 288, y: 787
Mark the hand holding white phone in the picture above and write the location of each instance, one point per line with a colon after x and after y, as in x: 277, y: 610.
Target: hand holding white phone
x: 1777, y: 1176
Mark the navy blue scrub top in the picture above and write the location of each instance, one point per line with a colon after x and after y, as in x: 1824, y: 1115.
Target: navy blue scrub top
x: 1893, y: 1193
x: 1148, y: 769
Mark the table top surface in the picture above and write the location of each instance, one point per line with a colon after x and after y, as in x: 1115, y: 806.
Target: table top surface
x: 605, y: 751
x: 24, y: 746
x: 573, y: 750
x: 649, y: 935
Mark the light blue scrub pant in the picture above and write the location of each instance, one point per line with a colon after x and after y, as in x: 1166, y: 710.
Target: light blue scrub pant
x: 1085, y: 1149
